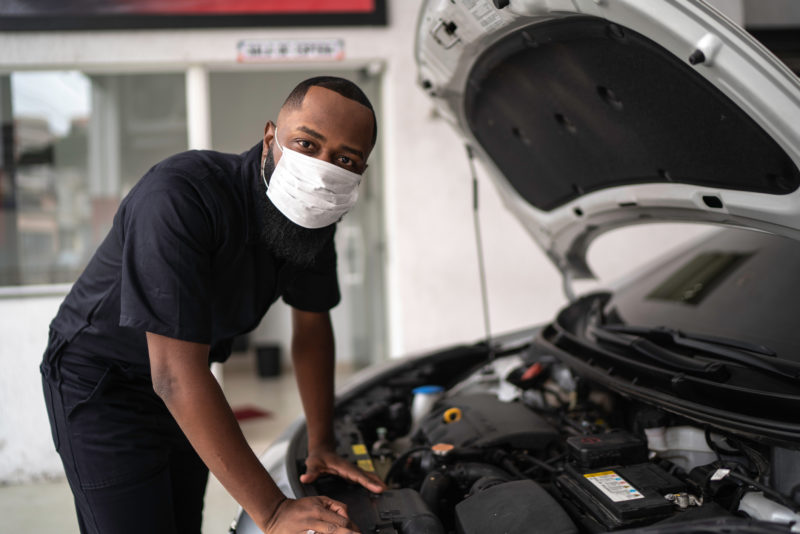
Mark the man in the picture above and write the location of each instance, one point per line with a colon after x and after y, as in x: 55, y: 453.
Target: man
x: 199, y: 250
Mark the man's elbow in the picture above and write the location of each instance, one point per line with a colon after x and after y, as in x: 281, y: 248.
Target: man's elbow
x: 163, y: 384
x: 172, y: 363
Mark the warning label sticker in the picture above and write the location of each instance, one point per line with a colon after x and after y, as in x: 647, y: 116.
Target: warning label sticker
x: 366, y: 465
x: 485, y: 13
x: 613, y: 486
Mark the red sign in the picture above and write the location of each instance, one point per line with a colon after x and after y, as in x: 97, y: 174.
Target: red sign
x: 124, y: 14
x: 218, y: 7
x: 261, y: 7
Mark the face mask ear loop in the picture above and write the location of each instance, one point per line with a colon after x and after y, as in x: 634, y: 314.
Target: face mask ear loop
x: 263, y: 177
x: 264, y: 159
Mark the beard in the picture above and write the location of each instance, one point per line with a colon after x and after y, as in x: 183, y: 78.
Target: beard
x: 285, y: 239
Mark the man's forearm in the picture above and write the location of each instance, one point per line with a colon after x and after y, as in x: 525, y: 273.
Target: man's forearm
x: 314, y: 366
x: 315, y: 381
x: 197, y: 403
x: 313, y: 356
x: 208, y: 422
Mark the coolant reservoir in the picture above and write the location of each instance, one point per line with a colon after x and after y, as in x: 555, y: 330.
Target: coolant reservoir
x: 424, y: 399
x: 685, y: 446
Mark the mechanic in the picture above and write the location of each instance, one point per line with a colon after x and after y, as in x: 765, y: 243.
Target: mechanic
x: 199, y: 249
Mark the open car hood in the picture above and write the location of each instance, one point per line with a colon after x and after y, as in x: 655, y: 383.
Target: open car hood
x: 594, y: 114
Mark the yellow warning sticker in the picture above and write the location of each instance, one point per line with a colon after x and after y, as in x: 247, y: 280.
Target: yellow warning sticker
x: 366, y: 465
x: 359, y: 449
x: 602, y: 473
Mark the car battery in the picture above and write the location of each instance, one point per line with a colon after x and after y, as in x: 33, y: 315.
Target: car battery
x: 611, y: 448
x: 620, y: 496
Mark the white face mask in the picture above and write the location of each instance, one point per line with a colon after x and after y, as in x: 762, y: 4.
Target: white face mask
x: 310, y: 192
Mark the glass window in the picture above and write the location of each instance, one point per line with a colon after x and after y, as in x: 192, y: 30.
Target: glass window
x: 72, y: 146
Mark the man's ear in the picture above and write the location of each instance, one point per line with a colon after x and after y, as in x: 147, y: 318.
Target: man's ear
x: 269, y: 135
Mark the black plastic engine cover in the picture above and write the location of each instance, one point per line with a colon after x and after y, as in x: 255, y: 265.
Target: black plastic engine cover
x: 488, y: 422
x: 517, y: 507
x: 395, y: 511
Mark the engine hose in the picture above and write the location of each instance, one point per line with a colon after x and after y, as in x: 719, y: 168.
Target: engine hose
x: 509, y: 466
x: 760, y: 464
x: 777, y: 496
x: 399, y: 463
x: 484, y: 483
x: 539, y: 464
x: 467, y: 473
x: 434, y: 488
x: 502, y: 459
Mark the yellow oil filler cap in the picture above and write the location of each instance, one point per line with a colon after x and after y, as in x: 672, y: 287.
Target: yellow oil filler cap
x: 452, y: 415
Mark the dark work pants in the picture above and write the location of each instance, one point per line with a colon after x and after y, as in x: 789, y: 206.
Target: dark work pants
x: 130, y: 468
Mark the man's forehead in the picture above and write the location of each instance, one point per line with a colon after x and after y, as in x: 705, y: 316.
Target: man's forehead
x: 330, y: 113
x: 318, y: 94
x: 328, y: 102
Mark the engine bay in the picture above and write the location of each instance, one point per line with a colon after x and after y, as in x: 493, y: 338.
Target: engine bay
x: 516, y: 442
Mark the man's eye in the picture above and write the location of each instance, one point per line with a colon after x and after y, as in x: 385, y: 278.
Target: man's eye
x: 344, y: 160
x: 304, y: 143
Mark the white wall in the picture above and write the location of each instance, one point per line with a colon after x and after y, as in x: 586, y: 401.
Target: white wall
x: 26, y: 448
x: 432, y: 276
x: 773, y: 13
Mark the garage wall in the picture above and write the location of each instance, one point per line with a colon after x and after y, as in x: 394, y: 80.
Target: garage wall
x: 26, y: 449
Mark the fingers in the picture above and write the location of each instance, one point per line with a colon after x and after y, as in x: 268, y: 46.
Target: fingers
x: 322, y: 527
x: 335, y: 465
x: 310, y: 514
x: 335, y: 506
x: 373, y: 483
x: 314, y: 468
x: 368, y: 480
x: 310, y: 476
x: 333, y: 518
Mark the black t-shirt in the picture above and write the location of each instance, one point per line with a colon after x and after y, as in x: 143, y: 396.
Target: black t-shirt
x: 185, y: 259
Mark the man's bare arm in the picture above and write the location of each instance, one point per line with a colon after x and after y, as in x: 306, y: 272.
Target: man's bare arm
x: 181, y: 378
x: 314, y: 366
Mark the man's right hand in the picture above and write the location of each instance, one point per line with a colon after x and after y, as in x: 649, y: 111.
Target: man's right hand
x: 310, y: 514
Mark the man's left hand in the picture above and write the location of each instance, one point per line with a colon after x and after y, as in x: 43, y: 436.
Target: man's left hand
x: 328, y: 462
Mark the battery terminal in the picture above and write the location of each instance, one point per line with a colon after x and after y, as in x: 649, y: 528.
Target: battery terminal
x: 683, y: 500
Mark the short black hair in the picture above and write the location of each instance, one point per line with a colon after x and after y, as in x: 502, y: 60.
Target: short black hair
x: 343, y: 86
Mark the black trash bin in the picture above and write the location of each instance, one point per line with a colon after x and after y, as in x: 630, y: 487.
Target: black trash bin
x: 268, y: 360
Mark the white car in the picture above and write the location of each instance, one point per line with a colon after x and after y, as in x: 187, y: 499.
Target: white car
x: 668, y: 404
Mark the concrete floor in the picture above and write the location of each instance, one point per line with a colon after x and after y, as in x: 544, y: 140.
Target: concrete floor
x: 46, y: 507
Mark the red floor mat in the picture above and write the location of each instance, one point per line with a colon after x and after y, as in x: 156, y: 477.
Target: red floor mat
x: 243, y: 413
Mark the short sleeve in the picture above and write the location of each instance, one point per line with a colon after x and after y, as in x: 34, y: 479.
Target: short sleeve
x: 316, y: 288
x: 168, y: 243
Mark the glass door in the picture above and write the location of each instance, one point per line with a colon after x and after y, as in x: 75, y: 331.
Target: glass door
x: 72, y: 145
